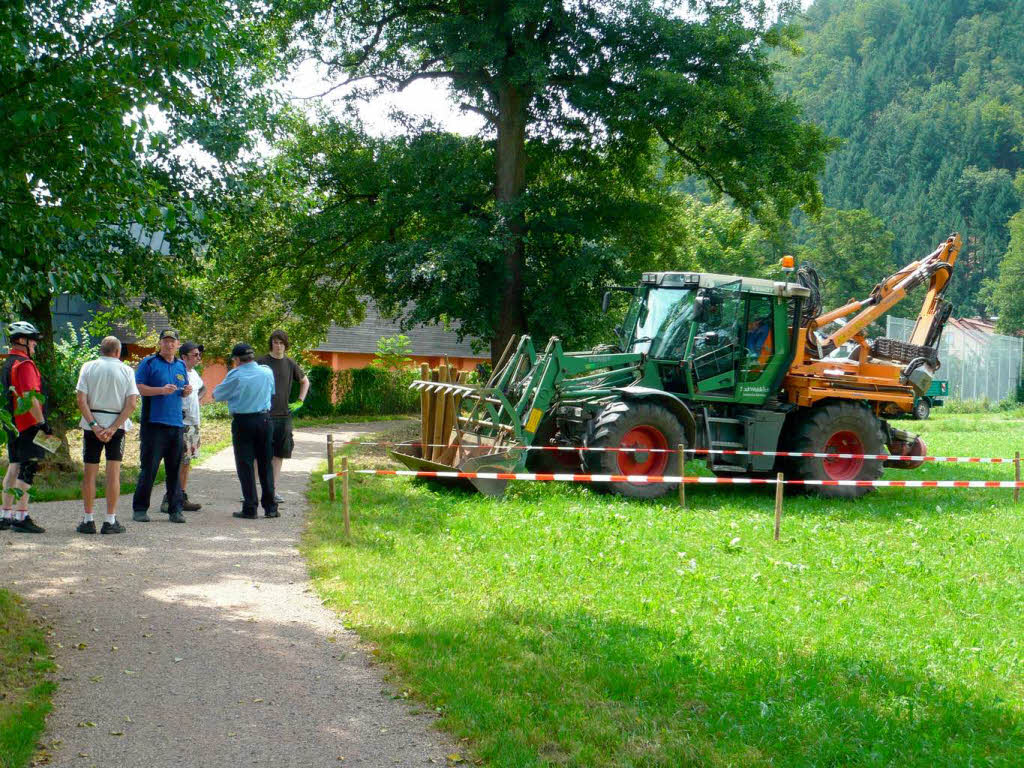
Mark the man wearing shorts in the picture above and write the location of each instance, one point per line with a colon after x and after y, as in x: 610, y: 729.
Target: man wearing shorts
x: 286, y: 372
x: 191, y: 355
x: 18, y: 377
x: 107, y: 395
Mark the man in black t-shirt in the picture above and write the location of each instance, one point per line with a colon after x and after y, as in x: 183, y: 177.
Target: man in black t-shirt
x: 286, y: 372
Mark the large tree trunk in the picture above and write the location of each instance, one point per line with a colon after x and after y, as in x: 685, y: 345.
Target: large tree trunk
x: 511, y: 181
x: 40, y: 316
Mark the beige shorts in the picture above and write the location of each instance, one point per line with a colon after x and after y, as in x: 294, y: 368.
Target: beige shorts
x: 191, y: 439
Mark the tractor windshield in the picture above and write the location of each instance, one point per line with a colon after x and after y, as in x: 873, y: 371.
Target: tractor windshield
x: 663, y: 322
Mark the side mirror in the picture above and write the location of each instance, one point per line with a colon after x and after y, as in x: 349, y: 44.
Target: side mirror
x: 606, y: 301
x: 700, y: 305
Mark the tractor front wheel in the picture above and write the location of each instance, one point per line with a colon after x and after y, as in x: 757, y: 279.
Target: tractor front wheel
x: 636, y: 426
x: 839, y: 427
x: 922, y: 409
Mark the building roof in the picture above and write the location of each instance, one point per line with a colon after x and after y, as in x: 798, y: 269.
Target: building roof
x: 973, y: 324
x: 427, y: 340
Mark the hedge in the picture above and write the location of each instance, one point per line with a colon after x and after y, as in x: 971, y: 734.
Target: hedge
x: 359, y: 391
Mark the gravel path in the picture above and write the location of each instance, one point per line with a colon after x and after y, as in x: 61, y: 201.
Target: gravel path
x: 203, y: 644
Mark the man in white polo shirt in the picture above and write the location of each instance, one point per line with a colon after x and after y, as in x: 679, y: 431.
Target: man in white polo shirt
x: 107, y: 395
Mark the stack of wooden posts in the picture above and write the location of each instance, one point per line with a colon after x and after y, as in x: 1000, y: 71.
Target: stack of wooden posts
x: 438, y: 413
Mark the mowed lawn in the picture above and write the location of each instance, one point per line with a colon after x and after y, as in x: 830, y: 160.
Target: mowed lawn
x: 560, y: 626
x: 25, y: 690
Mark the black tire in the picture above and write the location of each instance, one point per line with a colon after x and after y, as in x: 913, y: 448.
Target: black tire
x: 613, y: 428
x: 819, y: 430
x: 922, y: 409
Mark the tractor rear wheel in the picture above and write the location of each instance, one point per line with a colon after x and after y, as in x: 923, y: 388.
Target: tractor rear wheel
x: 839, y: 427
x: 635, y: 425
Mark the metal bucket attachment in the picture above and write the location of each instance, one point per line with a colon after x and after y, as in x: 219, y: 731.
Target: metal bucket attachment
x: 505, y: 461
x: 409, y: 455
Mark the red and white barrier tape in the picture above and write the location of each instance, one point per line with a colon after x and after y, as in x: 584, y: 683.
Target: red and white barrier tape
x: 726, y: 452
x: 591, y: 478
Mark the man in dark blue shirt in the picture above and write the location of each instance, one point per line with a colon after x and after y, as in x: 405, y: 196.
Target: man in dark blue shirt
x: 162, y: 380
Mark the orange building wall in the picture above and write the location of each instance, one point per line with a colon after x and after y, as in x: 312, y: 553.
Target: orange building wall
x: 340, y: 361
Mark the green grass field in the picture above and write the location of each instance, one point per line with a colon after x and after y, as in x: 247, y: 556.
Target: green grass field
x: 24, y: 689
x: 560, y: 626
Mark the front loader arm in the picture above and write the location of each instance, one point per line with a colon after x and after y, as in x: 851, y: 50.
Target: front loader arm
x: 937, y: 267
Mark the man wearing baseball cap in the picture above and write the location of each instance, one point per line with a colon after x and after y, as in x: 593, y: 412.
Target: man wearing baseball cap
x: 247, y: 389
x: 191, y: 355
x: 162, y: 380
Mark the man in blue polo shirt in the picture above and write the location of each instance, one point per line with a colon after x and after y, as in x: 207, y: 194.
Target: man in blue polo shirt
x: 247, y: 389
x: 162, y: 380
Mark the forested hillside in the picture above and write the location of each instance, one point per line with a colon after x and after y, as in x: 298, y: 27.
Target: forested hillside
x: 928, y: 98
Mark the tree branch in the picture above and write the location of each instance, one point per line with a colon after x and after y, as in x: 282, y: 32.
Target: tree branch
x: 489, y: 117
x: 691, y: 160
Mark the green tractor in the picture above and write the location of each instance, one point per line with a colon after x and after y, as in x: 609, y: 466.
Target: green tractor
x: 716, y: 363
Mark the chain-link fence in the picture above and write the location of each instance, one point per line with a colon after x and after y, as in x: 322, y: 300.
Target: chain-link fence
x: 977, y: 365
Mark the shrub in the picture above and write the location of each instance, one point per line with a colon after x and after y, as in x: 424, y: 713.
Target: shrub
x: 359, y: 391
x: 319, y: 400
x: 60, y: 372
x: 393, y: 353
x: 214, y: 411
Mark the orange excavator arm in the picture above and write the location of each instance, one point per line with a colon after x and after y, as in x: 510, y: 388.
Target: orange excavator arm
x: 936, y: 267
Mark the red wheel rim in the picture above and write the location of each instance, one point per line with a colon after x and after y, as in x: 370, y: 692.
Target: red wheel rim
x: 639, y: 463
x: 843, y: 469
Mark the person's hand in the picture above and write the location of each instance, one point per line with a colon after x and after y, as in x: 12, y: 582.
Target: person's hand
x: 106, y: 434
x: 169, y: 389
x: 187, y: 390
x: 293, y: 407
x: 98, y: 431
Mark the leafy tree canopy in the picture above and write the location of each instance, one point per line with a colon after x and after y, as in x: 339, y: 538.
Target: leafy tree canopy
x: 81, y: 84
x: 1007, y: 291
x: 852, y: 251
x: 577, y: 97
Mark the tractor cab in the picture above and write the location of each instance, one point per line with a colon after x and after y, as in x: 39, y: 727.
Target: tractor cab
x: 714, y: 337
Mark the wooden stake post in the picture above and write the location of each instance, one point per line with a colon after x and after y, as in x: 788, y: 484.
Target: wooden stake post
x: 330, y: 466
x: 345, y: 498
x: 780, y: 484
x: 682, y: 476
x: 1016, y: 476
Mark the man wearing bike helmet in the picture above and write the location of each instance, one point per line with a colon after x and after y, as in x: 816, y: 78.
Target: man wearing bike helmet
x: 18, y: 376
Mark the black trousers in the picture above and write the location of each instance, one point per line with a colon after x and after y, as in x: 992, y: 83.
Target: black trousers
x: 159, y: 442
x: 252, y: 438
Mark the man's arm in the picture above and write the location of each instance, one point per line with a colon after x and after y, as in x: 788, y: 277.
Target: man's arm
x: 37, y: 410
x: 27, y: 379
x: 142, y: 374
x: 226, y: 388
x: 129, y: 408
x: 83, y: 407
x: 147, y: 391
x: 302, y: 379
